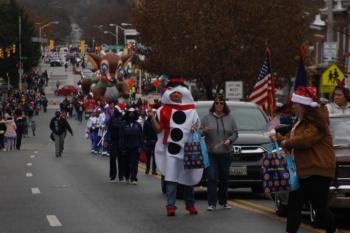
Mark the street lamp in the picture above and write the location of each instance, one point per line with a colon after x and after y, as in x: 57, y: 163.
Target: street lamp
x: 100, y: 27
x: 318, y: 23
x: 116, y: 32
x: 44, y: 26
x: 108, y: 32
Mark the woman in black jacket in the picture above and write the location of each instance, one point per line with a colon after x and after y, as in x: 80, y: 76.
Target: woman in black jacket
x: 149, y: 143
x: 131, y: 143
x: 2, y: 132
x: 19, y: 128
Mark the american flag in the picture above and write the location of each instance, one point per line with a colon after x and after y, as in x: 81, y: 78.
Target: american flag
x: 264, y: 91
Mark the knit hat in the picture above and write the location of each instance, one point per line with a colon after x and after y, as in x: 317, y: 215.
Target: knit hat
x: 305, y: 96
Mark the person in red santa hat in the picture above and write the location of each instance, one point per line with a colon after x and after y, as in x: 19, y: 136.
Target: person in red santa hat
x: 310, y: 143
x: 173, y: 122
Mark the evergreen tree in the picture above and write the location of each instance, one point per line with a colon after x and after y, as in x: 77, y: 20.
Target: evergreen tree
x: 9, y: 34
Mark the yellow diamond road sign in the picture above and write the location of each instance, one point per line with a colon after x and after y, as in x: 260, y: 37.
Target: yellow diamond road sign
x: 330, y: 79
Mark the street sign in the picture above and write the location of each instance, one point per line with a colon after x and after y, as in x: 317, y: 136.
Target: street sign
x: 116, y: 47
x: 330, y: 79
x: 131, y: 32
x: 330, y: 51
x: 39, y: 40
x: 234, y: 90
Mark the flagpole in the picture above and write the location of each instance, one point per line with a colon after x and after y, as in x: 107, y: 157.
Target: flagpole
x: 270, y: 101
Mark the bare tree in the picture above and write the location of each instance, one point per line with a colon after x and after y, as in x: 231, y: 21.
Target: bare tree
x: 215, y: 41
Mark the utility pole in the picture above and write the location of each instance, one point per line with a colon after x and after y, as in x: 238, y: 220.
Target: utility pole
x: 140, y: 82
x: 20, y: 70
x: 330, y: 32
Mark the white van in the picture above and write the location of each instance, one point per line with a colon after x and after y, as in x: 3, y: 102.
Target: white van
x: 63, y: 50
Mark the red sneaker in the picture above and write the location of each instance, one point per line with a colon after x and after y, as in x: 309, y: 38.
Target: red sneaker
x: 193, y: 210
x: 170, y: 211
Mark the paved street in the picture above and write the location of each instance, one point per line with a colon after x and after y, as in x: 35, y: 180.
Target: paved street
x: 71, y: 194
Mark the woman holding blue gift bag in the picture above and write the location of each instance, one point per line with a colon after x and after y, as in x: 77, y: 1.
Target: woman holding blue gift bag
x: 220, y: 131
x: 310, y: 142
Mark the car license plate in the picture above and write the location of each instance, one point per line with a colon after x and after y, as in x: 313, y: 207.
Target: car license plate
x: 238, y: 171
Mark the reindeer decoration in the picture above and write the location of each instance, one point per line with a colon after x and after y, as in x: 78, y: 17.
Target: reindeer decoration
x: 108, y: 84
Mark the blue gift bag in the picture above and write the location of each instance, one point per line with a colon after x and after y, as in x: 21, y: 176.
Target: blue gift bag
x: 293, y: 176
x: 204, y: 150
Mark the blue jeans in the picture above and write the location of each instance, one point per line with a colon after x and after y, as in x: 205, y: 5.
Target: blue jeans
x: 171, y: 188
x: 219, y: 170
x: 94, y: 140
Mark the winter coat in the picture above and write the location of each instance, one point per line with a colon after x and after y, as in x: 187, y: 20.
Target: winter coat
x: 223, y: 128
x: 19, y: 125
x: 2, y: 127
x: 130, y: 135
x: 149, y: 134
x: 114, y: 127
x: 335, y: 109
x: 10, y: 128
x: 313, y: 151
x: 59, y: 125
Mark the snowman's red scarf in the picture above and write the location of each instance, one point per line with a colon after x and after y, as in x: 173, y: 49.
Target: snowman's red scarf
x: 165, y: 115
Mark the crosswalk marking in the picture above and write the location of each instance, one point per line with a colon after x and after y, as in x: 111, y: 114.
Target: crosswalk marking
x: 29, y: 164
x: 35, y: 191
x: 32, y: 156
x: 29, y: 174
x: 53, y: 221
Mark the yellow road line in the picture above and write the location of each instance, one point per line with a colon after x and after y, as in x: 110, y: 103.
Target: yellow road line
x: 261, y: 207
x: 271, y: 213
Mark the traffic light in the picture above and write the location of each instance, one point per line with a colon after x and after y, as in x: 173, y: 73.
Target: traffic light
x: 8, y: 52
x: 97, y: 49
x: 2, y: 53
x: 131, y: 46
x: 52, y: 44
x: 14, y: 48
x: 82, y: 47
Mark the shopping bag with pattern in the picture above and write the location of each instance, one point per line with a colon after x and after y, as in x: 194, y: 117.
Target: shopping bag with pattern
x: 276, y: 176
x: 193, y: 157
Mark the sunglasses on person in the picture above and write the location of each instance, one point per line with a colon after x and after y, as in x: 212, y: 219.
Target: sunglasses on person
x: 219, y: 102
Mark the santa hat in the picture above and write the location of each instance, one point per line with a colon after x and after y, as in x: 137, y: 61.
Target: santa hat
x: 305, y: 96
x: 122, y: 106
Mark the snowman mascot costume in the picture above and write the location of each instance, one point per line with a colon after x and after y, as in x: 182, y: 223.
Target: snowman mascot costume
x: 176, y: 118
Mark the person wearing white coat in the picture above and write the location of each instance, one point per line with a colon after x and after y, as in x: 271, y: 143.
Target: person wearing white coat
x: 102, y: 131
x: 91, y: 131
x: 177, y: 118
x: 340, y: 101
